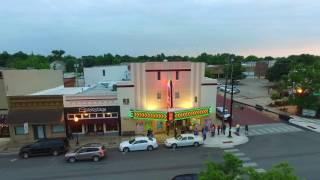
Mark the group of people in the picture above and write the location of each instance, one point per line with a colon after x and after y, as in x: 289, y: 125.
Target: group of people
x: 221, y: 129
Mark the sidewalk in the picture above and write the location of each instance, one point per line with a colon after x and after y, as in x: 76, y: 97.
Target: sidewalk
x: 311, y: 124
x: 219, y: 141
x: 223, y: 141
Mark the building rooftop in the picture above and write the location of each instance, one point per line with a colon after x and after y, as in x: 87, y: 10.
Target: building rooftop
x: 61, y: 90
x: 100, y: 89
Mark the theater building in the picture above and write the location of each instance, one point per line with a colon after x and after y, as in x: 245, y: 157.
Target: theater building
x: 163, y: 95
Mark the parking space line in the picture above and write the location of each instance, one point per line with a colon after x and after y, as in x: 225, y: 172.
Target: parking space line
x: 13, y: 160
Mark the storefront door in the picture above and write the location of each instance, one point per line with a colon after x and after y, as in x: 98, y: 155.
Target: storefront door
x: 39, y: 131
x: 147, y: 125
x: 90, y: 128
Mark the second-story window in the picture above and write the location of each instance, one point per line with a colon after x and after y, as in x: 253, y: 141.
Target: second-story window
x: 103, y: 72
x: 158, y: 95
x: 158, y: 75
x: 125, y: 101
x: 177, y: 95
x: 177, y: 75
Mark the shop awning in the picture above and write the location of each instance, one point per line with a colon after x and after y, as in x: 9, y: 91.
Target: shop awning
x: 35, y: 116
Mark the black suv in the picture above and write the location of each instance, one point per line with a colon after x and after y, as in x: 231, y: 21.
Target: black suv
x: 52, y: 146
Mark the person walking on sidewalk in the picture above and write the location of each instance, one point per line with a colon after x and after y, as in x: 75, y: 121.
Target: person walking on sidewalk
x: 219, y: 127
x: 246, y: 128
x: 204, y: 134
x: 224, y: 127
x: 213, y: 130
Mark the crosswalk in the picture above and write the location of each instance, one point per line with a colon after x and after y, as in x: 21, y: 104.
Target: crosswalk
x: 247, y: 162
x: 275, y: 128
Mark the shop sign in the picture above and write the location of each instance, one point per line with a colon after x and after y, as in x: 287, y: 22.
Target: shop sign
x: 92, y: 109
x: 26, y: 128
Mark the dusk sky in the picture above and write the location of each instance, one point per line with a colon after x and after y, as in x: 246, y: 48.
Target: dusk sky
x: 173, y: 27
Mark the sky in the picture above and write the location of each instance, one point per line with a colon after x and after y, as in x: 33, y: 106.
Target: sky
x: 150, y: 27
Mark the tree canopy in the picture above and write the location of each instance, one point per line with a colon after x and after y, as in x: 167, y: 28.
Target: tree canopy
x: 232, y: 168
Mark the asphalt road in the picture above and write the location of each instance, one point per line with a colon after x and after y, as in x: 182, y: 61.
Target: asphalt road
x: 300, y: 149
x: 160, y: 164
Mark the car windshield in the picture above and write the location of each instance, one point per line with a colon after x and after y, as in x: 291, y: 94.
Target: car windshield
x: 76, y: 150
x: 179, y: 137
x: 131, y: 141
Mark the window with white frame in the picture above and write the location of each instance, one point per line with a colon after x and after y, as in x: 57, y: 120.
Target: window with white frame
x: 125, y: 101
x: 19, y: 130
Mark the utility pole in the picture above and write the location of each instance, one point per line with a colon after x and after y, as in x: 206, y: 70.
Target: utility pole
x: 231, y: 103
x: 225, y: 92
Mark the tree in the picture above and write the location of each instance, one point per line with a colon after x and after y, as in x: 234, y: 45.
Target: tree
x: 237, y: 70
x: 57, y: 54
x: 251, y: 58
x: 232, y: 168
x: 280, y: 68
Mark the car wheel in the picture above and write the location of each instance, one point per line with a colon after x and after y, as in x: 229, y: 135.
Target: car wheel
x: 196, y: 144
x: 174, y: 146
x: 25, y: 155
x: 126, y: 149
x: 95, y: 158
x: 149, y: 148
x: 72, y: 160
x: 55, y: 153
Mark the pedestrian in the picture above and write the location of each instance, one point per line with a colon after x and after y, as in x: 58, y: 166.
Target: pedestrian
x: 167, y: 128
x: 196, y: 131
x: 238, y: 129
x: 204, y: 134
x: 175, y: 132
x: 213, y: 130
x: 219, y: 129
x: 224, y: 129
x: 246, y: 127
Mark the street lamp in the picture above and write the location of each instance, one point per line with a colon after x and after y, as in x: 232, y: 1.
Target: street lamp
x: 76, y: 119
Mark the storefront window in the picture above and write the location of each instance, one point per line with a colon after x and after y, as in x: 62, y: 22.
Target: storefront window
x: 114, y: 115
x: 112, y: 125
x: 19, y: 130
x: 57, y: 128
x: 76, y: 128
x: 159, y: 125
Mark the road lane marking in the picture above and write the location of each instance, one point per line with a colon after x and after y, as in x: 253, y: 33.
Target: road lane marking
x: 239, y: 154
x: 13, y: 160
x: 244, y: 158
x: 231, y: 150
x: 260, y: 170
x: 250, y: 164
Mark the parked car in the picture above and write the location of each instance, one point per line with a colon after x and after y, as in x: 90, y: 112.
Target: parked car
x: 47, y: 146
x: 139, y: 143
x: 186, y: 177
x: 221, y: 115
x: 92, y: 151
x: 235, y: 90
x: 184, y: 140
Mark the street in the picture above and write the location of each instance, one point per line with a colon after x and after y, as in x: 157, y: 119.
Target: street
x: 159, y: 164
x: 299, y: 148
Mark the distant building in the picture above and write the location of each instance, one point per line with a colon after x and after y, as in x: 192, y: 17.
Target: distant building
x: 94, y: 75
x: 58, y: 65
x: 217, y: 71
